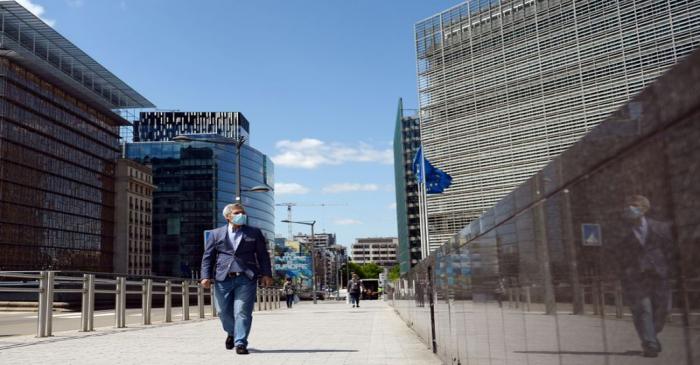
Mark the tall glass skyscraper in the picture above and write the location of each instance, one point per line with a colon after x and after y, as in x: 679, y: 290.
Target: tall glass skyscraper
x: 406, y: 143
x: 195, y: 181
x: 58, y: 146
x: 506, y: 85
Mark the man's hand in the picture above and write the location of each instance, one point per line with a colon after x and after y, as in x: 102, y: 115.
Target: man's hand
x: 206, y: 283
x: 266, y: 281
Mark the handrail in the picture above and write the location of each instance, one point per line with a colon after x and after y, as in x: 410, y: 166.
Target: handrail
x: 47, y: 283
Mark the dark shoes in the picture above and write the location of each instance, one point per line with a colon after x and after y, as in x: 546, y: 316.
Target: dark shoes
x: 650, y: 353
x: 241, y: 350
x: 229, y: 342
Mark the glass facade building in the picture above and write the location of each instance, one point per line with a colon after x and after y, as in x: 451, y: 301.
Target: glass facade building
x: 195, y: 181
x: 58, y: 145
x: 163, y: 126
x: 504, y: 86
x: 406, y: 143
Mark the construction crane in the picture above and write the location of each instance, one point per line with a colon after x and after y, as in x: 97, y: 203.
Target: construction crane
x: 289, y: 211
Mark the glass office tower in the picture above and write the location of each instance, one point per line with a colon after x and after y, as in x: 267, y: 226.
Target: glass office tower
x: 504, y: 86
x: 406, y: 143
x: 195, y: 181
x: 58, y: 145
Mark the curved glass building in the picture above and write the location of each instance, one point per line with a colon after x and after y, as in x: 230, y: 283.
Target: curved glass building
x: 195, y: 180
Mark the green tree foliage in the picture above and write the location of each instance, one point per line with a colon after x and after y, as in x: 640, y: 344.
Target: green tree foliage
x: 394, y: 273
x: 366, y: 271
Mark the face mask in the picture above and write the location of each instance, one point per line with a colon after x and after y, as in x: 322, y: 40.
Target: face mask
x: 239, y: 219
x: 633, y: 212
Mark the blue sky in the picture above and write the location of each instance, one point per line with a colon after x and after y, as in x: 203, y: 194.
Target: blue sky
x: 318, y: 80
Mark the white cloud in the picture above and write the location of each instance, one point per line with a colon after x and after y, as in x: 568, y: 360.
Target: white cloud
x: 349, y: 187
x: 346, y: 221
x: 392, y: 206
x: 37, y: 10
x: 310, y: 153
x: 290, y: 188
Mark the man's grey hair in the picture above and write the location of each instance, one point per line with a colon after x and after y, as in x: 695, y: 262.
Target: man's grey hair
x: 229, y: 209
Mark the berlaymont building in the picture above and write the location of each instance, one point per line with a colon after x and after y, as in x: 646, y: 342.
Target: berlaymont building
x: 504, y: 86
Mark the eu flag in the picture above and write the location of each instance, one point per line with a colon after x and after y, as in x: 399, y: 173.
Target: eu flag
x: 436, y: 180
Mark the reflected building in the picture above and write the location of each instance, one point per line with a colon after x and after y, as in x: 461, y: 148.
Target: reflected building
x: 504, y: 86
x: 133, y: 215
x: 58, y: 144
x: 406, y: 143
x: 195, y: 181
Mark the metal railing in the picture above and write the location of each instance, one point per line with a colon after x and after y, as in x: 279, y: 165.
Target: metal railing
x: 49, y: 283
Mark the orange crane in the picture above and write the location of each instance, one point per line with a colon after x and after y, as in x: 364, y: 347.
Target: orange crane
x: 289, y: 211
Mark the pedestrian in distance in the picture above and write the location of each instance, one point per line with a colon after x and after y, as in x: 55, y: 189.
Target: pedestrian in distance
x: 644, y: 257
x: 355, y: 289
x: 235, y: 257
x: 289, y: 290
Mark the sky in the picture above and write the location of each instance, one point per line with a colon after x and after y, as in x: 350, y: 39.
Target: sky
x: 318, y: 80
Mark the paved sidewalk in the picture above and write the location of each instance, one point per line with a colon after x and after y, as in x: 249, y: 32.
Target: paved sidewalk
x: 325, y: 333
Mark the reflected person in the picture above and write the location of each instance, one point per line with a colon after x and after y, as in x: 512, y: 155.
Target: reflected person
x: 644, y: 258
x: 235, y: 255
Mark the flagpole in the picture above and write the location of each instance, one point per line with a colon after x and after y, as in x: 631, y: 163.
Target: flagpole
x: 425, y: 241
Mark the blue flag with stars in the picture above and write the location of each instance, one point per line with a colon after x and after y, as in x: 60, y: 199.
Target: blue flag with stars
x: 436, y: 180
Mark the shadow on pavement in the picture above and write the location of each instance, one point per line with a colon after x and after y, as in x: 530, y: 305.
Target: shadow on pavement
x: 295, y: 351
x: 626, y: 353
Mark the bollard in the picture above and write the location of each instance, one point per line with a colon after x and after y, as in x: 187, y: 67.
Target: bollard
x: 185, y: 300
x: 618, y: 299
x: 41, y: 322
x: 117, y: 289
x: 258, y: 299
x: 146, y: 301
x: 120, y: 302
x: 168, y: 302
x: 212, y: 301
x: 200, y: 300
x: 517, y: 297
x: 277, y: 298
x: 91, y: 302
x: 84, y: 304
x: 49, y: 303
x: 595, y: 299
x: 528, y: 300
x: 510, y: 297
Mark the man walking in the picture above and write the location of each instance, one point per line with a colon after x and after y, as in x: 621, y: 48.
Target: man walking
x: 355, y: 289
x: 644, y: 256
x: 239, y: 254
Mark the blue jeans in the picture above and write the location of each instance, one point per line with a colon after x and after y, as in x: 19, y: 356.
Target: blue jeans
x: 650, y: 305
x: 235, y: 299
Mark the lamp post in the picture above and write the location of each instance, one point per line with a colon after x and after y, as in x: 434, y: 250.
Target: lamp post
x: 238, y: 142
x: 313, y: 255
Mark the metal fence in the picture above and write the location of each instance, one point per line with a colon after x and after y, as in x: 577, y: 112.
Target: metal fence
x: 49, y: 283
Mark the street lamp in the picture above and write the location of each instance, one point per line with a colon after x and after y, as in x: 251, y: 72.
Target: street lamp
x: 313, y: 255
x: 238, y: 142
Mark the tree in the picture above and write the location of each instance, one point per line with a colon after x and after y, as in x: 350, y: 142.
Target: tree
x: 395, y: 273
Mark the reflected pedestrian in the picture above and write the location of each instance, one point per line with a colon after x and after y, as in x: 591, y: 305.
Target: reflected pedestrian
x: 355, y: 289
x: 235, y: 255
x: 645, y: 261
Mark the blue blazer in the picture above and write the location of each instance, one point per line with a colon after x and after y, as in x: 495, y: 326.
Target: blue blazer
x: 251, y: 254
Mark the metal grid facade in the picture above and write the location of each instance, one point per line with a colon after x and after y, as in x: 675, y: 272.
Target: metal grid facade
x: 506, y: 85
x: 163, y: 126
